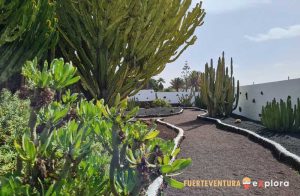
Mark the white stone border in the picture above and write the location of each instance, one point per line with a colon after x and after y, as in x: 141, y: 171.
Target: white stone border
x: 156, y: 184
x: 281, y: 152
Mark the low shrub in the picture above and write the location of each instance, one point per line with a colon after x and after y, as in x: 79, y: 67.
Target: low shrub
x: 72, y: 146
x: 14, y: 115
x: 281, y: 116
x: 186, y: 100
x: 160, y: 103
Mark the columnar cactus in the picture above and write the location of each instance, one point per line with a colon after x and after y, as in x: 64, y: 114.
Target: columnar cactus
x: 218, y: 89
x: 280, y: 116
x: 297, y: 115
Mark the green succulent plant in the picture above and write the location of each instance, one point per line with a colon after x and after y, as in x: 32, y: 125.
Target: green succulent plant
x: 119, y: 45
x: 281, y: 116
x: 77, y: 147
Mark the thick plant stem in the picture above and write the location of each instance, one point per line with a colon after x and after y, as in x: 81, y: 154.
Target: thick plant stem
x: 31, y: 124
x: 19, y: 165
x: 114, y: 164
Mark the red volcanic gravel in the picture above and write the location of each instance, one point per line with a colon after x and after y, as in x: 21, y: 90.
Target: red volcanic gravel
x: 217, y: 154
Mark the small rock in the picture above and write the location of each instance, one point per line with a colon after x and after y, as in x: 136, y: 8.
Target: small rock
x: 237, y: 121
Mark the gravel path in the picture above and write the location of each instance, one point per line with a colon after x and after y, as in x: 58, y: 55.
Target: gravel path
x: 218, y: 154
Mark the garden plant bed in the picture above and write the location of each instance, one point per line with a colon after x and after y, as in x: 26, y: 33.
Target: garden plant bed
x: 291, y: 141
x: 165, y: 132
x: 159, y: 111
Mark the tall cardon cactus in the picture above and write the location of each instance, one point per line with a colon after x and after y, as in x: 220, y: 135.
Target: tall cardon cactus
x: 218, y: 88
x: 119, y: 45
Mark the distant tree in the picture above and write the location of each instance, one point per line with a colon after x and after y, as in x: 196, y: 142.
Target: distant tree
x: 177, y: 83
x: 160, y: 87
x: 160, y: 82
x: 169, y: 89
x: 152, y: 84
x: 194, y: 80
x: 185, y: 75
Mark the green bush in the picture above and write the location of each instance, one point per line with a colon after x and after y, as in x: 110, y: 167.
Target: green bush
x: 186, y: 100
x: 281, y: 116
x: 160, y: 103
x: 14, y: 114
x: 77, y: 147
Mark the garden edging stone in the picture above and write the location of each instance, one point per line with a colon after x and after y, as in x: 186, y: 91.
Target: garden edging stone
x: 154, y: 187
x: 280, y: 153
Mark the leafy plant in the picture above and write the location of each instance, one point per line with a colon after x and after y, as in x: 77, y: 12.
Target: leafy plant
x: 160, y: 103
x: 14, y: 115
x: 79, y: 147
x: 281, y: 116
x: 186, y: 100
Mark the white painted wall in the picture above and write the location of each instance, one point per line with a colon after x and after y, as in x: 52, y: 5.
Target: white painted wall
x: 150, y: 95
x: 145, y: 95
x: 278, y: 90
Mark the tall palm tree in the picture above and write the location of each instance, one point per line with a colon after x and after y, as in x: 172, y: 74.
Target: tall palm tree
x: 160, y: 82
x: 194, y: 80
x: 177, y: 83
x: 152, y: 84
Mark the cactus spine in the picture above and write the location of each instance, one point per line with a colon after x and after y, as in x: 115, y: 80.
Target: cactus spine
x: 218, y: 88
x: 281, y: 116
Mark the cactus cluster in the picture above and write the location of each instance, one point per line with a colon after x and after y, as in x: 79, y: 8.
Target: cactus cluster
x: 218, y: 88
x: 281, y: 116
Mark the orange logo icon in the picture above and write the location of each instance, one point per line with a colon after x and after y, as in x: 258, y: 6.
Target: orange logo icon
x: 246, y: 183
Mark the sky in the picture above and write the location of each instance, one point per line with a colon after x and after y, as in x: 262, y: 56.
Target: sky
x: 262, y: 37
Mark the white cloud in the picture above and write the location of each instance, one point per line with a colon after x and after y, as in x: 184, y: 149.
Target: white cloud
x: 222, y: 6
x: 276, y: 33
